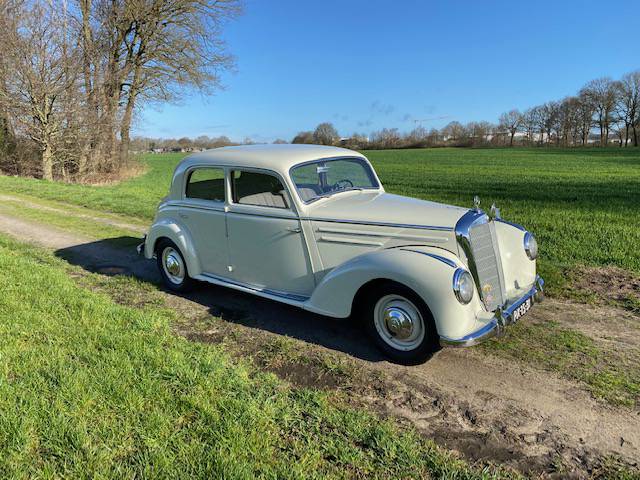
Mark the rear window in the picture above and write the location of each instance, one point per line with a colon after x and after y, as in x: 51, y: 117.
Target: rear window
x: 206, y: 184
x: 261, y: 189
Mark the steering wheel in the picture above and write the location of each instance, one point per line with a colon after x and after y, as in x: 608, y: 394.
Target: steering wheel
x: 338, y: 185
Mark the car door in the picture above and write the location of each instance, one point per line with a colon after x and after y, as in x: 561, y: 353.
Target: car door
x: 267, y: 248
x: 203, y: 213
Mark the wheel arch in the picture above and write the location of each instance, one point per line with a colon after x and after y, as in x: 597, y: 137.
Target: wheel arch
x: 427, y: 271
x: 178, y: 234
x: 371, y: 285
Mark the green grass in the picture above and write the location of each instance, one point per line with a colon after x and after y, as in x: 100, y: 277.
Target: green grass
x: 609, y: 372
x: 137, y: 197
x: 66, y: 219
x: 90, y: 388
x: 581, y: 203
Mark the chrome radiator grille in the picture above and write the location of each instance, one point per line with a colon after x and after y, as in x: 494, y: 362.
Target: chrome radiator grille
x: 488, y: 266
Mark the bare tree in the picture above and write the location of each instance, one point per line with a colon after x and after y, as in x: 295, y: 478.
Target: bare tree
x: 454, y: 133
x: 585, y: 117
x: 511, y: 122
x: 386, y: 138
x: 303, y: 137
x: 628, y: 104
x: 325, y: 134
x: 73, y: 73
x: 530, y: 123
x: 601, y: 93
x: 38, y: 72
x: 477, y: 133
x: 417, y: 137
x: 148, y: 50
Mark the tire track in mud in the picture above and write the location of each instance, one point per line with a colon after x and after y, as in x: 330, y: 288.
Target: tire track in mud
x: 486, y: 408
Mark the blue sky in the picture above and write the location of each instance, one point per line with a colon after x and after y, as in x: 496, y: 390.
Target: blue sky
x: 364, y: 65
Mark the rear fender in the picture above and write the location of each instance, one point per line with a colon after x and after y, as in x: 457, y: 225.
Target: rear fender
x: 178, y: 234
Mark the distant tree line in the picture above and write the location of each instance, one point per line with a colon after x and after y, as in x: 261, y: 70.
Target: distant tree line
x: 73, y: 73
x: 183, y: 144
x: 602, y: 113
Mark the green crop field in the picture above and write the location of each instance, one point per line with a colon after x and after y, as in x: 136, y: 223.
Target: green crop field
x: 583, y: 204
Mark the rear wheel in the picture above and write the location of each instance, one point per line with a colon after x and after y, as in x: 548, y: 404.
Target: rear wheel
x: 173, y: 267
x: 400, y: 323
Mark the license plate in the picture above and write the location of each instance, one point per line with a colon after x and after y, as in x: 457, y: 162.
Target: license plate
x: 521, y: 310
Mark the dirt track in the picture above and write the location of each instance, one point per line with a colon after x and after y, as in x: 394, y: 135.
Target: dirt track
x: 481, y: 406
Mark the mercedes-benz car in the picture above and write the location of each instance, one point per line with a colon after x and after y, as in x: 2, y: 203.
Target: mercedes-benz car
x: 312, y: 226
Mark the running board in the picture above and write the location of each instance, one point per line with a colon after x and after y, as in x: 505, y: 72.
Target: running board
x: 284, y: 297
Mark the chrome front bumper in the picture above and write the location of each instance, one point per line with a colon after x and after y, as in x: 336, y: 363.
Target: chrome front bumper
x: 502, y: 319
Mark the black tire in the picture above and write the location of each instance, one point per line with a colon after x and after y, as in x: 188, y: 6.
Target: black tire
x: 424, y: 348
x: 187, y: 283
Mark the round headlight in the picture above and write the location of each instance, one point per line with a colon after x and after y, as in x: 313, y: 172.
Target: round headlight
x: 463, y: 285
x: 530, y: 246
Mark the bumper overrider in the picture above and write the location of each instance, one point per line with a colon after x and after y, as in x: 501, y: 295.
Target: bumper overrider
x: 502, y: 318
x: 140, y: 247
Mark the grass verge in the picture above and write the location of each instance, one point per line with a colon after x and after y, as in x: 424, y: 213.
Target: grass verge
x: 68, y: 220
x: 92, y: 388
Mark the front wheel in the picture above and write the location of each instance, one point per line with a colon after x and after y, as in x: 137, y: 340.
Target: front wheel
x: 173, y: 267
x: 400, y: 324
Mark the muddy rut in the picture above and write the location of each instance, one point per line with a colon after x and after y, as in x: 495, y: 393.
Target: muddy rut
x: 486, y: 408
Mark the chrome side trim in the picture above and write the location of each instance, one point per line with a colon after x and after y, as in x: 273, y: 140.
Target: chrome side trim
x: 348, y: 241
x: 503, y: 317
x: 379, y: 224
x: 451, y: 263
x: 252, y: 288
x: 178, y: 203
x: 395, y: 236
x: 293, y: 216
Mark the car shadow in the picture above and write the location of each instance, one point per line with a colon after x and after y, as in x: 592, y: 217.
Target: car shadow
x: 117, y: 256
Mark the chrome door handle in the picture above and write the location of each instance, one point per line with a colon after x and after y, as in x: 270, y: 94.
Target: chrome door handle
x: 294, y: 229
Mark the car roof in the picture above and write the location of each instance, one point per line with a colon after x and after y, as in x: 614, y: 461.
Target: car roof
x: 278, y: 157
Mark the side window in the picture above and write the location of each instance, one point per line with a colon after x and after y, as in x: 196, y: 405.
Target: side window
x: 206, y: 184
x: 262, y: 189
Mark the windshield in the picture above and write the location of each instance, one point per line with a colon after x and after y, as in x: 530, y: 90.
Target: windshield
x: 326, y: 177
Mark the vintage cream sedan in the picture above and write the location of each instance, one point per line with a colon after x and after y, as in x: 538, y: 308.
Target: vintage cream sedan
x: 312, y: 226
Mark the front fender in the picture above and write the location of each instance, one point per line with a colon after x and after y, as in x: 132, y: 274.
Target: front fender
x: 178, y: 234
x: 427, y: 271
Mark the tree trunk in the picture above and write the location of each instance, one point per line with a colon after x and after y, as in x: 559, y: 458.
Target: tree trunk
x: 90, y: 154
x: 511, y: 141
x: 47, y: 162
x: 626, y: 134
x: 125, y: 127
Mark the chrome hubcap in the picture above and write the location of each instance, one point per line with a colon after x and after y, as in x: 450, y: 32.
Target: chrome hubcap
x: 173, y: 265
x: 398, y: 322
